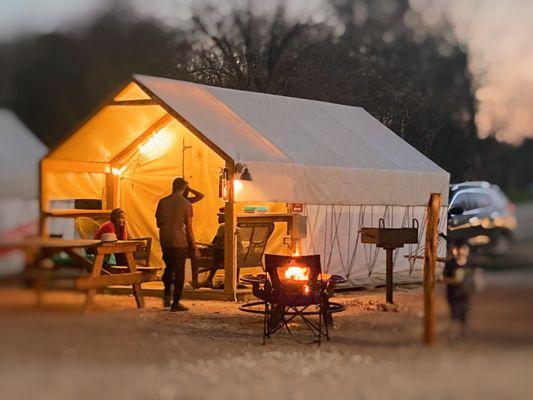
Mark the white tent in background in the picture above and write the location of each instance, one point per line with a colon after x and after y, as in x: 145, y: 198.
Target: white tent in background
x: 347, y: 168
x: 20, y: 152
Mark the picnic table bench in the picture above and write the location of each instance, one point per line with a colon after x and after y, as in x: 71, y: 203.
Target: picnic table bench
x: 92, y: 274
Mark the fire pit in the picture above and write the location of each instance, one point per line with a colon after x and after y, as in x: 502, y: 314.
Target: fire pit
x: 294, y: 287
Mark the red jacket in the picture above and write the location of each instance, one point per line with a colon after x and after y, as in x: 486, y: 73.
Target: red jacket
x: 109, y: 227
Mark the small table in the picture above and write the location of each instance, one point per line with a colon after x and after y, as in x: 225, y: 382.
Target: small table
x: 38, y: 248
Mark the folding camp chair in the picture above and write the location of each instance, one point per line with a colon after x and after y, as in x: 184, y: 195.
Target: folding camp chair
x: 287, y: 298
x: 251, y: 244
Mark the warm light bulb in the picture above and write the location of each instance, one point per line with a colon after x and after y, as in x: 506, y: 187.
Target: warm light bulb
x: 148, y: 145
x: 117, y: 171
x: 157, y: 143
x: 237, y: 185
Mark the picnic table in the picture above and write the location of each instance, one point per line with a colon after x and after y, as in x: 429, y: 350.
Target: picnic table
x: 94, y: 274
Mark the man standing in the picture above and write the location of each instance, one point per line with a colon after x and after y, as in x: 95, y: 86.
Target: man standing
x: 174, y: 220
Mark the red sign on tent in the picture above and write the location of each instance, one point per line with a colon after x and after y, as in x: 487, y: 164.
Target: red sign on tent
x: 297, y: 207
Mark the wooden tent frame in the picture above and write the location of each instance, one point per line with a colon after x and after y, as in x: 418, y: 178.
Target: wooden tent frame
x: 47, y: 165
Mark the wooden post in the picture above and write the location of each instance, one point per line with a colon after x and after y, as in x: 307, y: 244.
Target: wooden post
x: 430, y: 258
x: 43, y: 202
x: 111, y: 191
x: 389, y: 272
x: 230, y: 222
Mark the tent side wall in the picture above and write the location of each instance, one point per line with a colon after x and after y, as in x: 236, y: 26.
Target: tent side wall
x: 333, y: 232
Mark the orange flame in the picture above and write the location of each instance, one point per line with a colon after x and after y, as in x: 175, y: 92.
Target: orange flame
x: 296, y: 252
x: 297, y: 273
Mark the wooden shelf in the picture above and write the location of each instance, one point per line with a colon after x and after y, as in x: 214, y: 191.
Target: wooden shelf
x: 282, y: 217
x: 267, y: 217
x: 77, y: 213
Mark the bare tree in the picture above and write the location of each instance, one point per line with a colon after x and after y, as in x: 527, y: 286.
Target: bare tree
x: 250, y: 51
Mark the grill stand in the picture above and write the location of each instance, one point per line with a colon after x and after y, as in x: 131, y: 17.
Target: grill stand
x: 390, y: 239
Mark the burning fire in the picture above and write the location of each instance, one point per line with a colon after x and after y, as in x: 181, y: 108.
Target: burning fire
x: 296, y: 252
x: 296, y: 273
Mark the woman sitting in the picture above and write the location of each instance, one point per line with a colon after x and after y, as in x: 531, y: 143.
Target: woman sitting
x: 115, y: 226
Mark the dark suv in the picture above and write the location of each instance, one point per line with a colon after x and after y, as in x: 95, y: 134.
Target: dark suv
x: 481, y: 214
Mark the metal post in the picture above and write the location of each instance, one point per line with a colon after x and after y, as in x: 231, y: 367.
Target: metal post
x: 184, y: 148
x: 389, y: 282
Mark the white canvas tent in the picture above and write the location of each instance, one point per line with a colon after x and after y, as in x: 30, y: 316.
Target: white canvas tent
x: 20, y: 152
x: 347, y: 168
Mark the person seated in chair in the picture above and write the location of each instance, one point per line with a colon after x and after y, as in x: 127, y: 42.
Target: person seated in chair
x: 115, y: 226
x: 218, y: 249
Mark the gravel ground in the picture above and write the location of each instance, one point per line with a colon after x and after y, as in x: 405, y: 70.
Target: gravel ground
x: 215, y: 351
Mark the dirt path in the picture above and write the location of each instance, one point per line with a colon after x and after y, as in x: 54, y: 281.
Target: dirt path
x: 214, y: 351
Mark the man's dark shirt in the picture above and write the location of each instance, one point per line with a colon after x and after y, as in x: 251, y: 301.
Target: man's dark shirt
x: 171, y: 214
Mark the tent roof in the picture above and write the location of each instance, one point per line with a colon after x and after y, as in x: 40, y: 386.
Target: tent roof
x: 20, y: 152
x: 251, y: 126
x: 297, y: 150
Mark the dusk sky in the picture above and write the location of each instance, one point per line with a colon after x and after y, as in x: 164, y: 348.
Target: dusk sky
x: 498, y: 35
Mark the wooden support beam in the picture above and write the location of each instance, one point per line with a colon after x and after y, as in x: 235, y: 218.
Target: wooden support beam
x: 111, y: 191
x: 75, y: 213
x: 430, y: 258
x: 52, y: 165
x: 230, y: 223
x: 43, y: 201
x: 141, y: 102
x: 160, y: 123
